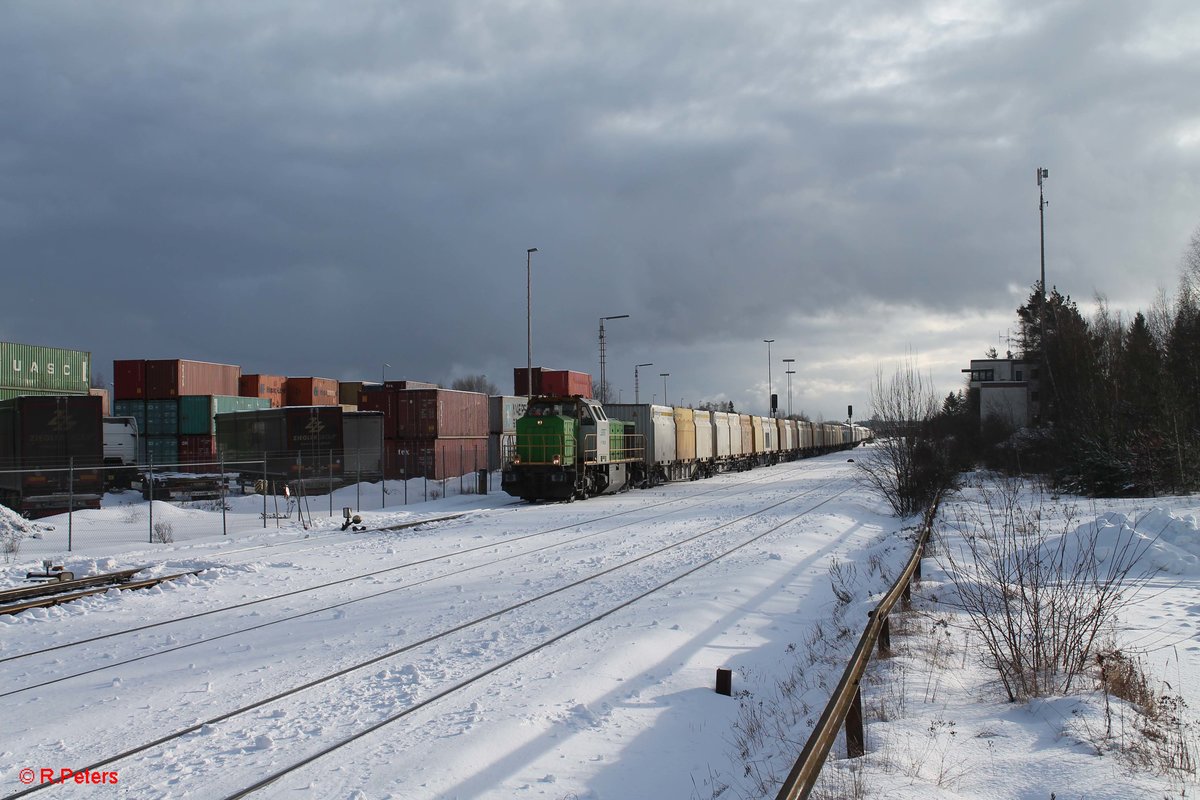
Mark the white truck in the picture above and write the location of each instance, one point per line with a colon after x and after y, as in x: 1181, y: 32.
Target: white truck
x: 121, y: 439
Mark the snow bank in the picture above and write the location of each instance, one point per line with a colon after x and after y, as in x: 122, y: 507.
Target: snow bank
x: 1167, y: 543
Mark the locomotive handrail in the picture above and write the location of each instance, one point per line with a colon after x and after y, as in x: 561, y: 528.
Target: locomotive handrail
x: 846, y: 697
x: 621, y: 447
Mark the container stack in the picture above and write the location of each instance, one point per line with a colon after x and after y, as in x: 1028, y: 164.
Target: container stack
x: 431, y: 433
x: 174, y: 402
x: 27, y: 369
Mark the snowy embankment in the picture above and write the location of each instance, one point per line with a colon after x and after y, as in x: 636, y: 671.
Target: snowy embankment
x: 940, y: 723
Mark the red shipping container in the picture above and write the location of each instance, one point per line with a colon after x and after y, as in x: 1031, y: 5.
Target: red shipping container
x: 402, y: 385
x: 436, y: 413
x: 565, y: 383
x: 435, y: 458
x: 521, y: 381
x: 200, y: 450
x: 129, y: 379
x: 170, y: 378
x: 312, y: 392
x: 383, y: 399
x: 269, y: 387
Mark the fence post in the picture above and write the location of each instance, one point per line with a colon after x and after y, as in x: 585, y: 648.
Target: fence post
x: 264, y: 491
x: 70, y: 502
x: 224, y: 522
x: 358, y: 482
x: 150, y: 485
x: 331, y: 483
x: 856, y: 744
x: 406, y: 476
x: 460, y: 468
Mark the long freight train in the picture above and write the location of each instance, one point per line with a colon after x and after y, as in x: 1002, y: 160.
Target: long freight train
x: 573, y: 447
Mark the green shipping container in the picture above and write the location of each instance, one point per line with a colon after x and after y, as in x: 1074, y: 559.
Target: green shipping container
x: 197, y: 412
x: 162, y: 417
x: 132, y: 408
x: 44, y: 370
x: 163, y: 450
x: 9, y: 394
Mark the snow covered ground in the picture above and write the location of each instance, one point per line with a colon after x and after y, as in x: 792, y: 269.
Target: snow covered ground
x: 555, y: 650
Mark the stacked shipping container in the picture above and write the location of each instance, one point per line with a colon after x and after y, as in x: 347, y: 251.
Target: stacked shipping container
x: 181, y: 431
x: 312, y: 392
x: 57, y: 442
x: 557, y: 382
x: 295, y: 441
x: 270, y: 387
x: 435, y: 433
x: 27, y: 369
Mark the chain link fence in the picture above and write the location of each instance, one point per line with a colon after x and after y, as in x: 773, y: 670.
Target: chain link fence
x: 73, y: 507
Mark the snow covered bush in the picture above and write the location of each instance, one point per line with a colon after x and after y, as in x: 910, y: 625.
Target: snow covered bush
x: 1039, y: 599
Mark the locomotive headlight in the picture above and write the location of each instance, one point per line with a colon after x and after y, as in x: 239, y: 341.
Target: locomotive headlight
x: 557, y: 461
x: 516, y: 460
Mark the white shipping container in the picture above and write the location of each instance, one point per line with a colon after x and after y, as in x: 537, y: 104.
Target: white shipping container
x: 721, y: 433
x: 655, y: 423
x: 704, y: 435
x: 504, y: 411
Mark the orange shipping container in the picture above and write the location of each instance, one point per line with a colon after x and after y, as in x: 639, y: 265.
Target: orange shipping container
x: 312, y: 392
x: 267, y: 387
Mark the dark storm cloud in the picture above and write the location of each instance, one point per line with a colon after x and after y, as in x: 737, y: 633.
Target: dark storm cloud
x: 317, y: 188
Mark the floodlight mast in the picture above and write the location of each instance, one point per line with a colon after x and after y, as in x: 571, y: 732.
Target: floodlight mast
x: 1042, y: 174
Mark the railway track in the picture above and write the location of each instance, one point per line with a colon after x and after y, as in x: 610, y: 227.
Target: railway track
x: 14, y: 601
x: 736, y: 539
x: 690, y: 501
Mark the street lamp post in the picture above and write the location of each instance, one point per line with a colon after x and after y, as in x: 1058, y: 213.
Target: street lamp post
x: 603, y: 384
x: 529, y: 322
x: 770, y: 411
x: 790, y: 373
x: 636, y: 367
x: 664, y: 376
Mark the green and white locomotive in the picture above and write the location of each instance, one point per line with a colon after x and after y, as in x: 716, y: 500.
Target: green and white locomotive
x: 567, y: 448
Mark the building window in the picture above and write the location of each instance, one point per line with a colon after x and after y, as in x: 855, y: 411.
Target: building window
x: 1019, y: 376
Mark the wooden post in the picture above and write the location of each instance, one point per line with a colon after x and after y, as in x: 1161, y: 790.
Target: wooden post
x: 725, y: 682
x: 856, y: 739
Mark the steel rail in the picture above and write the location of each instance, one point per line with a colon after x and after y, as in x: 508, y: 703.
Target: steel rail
x: 310, y: 612
x: 456, y: 629
x: 803, y: 776
x: 62, y: 587
x: 59, y: 599
x: 462, y: 684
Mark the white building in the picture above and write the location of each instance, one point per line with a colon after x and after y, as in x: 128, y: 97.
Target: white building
x: 1008, y: 389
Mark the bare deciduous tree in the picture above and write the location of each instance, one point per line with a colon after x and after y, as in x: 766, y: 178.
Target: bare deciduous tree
x: 908, y: 465
x: 475, y: 383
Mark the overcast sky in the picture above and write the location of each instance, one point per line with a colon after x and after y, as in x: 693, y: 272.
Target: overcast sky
x: 319, y: 188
